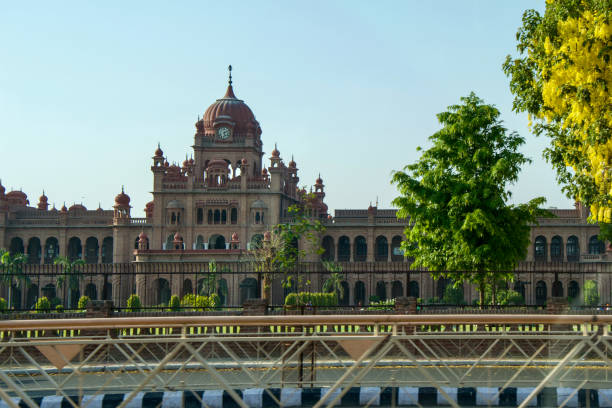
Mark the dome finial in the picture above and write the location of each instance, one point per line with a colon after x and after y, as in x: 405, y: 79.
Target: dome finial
x: 230, y: 74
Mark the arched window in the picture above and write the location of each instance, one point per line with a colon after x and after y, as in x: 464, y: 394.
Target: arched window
x: 217, y: 216
x: 361, y: 249
x: 51, y: 249
x: 557, y: 289
x: 328, y: 248
x: 162, y: 290
x: 34, y: 251
x: 234, y: 215
x: 216, y: 242
x: 257, y: 219
x: 573, y: 249
x: 187, y: 287
x: 596, y: 246
x: 256, y: 241
x: 91, y: 250
x: 136, y: 242
x: 540, y: 249
x: 107, y: 251
x: 107, y: 291
x: 210, y: 216
x: 199, y: 242
x: 344, y: 249
x: 91, y: 291
x: 360, y: 293
x: 540, y: 293
x: 248, y: 289
x: 397, y: 254
x: 413, y: 290
x: 75, y: 249
x: 200, y: 215
x: 346, y: 295
x: 381, y: 290
x: 573, y: 290
x: 224, y: 217
x: 382, y: 249
x: 556, y: 249
x: 397, y: 289
x: 173, y: 218
x: 16, y: 246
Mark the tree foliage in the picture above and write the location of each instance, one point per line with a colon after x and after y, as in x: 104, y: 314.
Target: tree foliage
x: 71, y: 274
x: 591, y: 293
x: 456, y: 197
x: 562, y: 78
x: 11, y: 272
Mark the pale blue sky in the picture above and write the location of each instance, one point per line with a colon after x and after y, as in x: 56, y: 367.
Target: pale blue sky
x: 350, y: 88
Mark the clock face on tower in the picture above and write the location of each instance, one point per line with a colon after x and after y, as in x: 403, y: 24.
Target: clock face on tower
x: 223, y: 133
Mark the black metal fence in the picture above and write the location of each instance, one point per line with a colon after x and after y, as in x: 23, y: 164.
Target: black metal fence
x: 235, y: 282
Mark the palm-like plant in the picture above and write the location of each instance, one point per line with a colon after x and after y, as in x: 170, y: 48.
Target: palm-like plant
x: 11, y: 271
x: 71, y: 274
x: 334, y: 282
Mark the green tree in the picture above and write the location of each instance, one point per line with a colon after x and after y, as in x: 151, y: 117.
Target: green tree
x: 456, y: 197
x: 333, y: 284
x: 11, y: 272
x: 453, y: 295
x: 591, y: 293
x: 71, y: 275
x: 562, y: 79
x: 210, y: 283
x: 288, y: 254
x: 265, y: 261
x: 133, y: 303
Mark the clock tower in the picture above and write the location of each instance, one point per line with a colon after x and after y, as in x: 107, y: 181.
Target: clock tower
x: 228, y: 131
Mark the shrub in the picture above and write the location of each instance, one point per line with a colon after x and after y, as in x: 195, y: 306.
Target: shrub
x: 188, y: 300
x: 374, y: 298
x: 214, y: 299
x: 453, y: 295
x: 55, y: 301
x: 291, y: 299
x: 133, y: 303
x: 175, y: 303
x: 510, y: 297
x: 43, y: 305
x: 382, y: 305
x: 3, y: 305
x: 83, y: 301
x: 59, y: 308
x: 591, y: 293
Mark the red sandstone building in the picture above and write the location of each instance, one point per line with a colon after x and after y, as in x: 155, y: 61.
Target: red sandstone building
x: 219, y: 204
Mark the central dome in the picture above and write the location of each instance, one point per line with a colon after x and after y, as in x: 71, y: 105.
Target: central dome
x: 231, y: 110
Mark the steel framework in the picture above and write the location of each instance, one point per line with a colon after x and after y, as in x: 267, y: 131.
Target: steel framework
x: 79, y: 359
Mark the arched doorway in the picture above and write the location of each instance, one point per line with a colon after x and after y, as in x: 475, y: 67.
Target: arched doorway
x: 360, y: 293
x: 34, y: 251
x: 51, y: 249
x: 361, y: 249
x: 162, y: 290
x: 382, y: 249
x: 397, y: 254
x: 397, y: 289
x: 346, y: 295
x: 413, y: 289
x: 328, y: 248
x: 91, y: 250
x: 75, y: 249
x: 216, y: 242
x: 381, y: 290
x: 540, y: 293
x: 248, y: 289
x: 16, y: 246
x: 344, y: 249
x: 107, y: 250
x: 557, y: 289
x: 91, y: 291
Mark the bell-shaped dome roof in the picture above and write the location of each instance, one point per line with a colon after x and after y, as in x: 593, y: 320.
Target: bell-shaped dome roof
x: 231, y: 109
x: 122, y: 199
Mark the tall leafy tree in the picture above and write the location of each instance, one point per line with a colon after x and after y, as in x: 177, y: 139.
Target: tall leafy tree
x: 456, y: 196
x: 71, y: 275
x: 562, y: 79
x: 11, y: 272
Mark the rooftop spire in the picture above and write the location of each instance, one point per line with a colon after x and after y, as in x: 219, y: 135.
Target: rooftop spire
x: 230, y: 74
x: 229, y: 94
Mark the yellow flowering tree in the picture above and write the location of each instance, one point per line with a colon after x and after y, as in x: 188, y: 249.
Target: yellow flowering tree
x: 562, y: 79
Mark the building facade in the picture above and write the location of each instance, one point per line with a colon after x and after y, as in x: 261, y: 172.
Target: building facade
x: 219, y: 203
